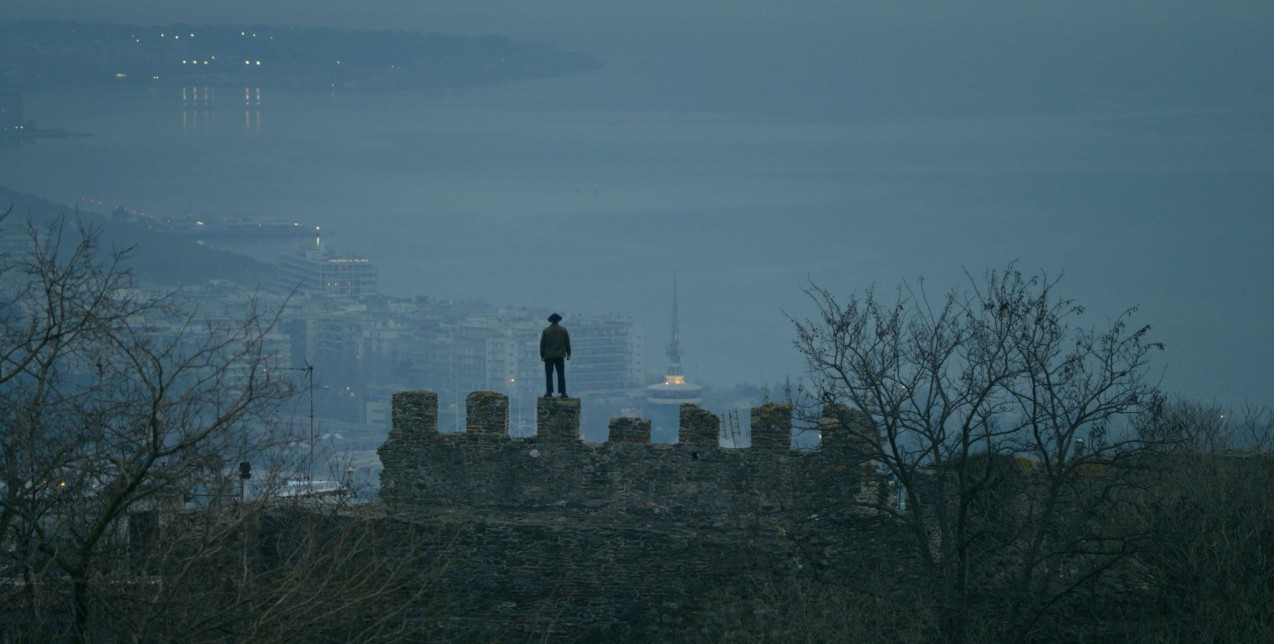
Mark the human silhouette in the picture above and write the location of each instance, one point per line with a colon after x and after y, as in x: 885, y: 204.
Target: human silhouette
x: 555, y: 350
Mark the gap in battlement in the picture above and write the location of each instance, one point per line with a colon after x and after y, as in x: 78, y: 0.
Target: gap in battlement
x: 486, y: 415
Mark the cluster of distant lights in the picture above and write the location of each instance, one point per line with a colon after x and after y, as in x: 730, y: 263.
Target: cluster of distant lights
x: 132, y: 211
x: 205, y: 62
x: 244, y: 34
x: 137, y: 38
x: 197, y: 62
x: 211, y: 58
x: 141, y: 213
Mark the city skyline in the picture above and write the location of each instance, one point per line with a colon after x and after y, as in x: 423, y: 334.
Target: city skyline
x: 848, y: 146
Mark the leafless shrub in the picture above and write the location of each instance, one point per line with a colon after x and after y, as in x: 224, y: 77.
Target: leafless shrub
x: 1000, y: 422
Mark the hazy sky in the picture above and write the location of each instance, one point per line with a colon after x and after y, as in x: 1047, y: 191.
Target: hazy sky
x: 516, y: 11
x: 575, y: 19
x: 1154, y: 38
x: 1129, y: 144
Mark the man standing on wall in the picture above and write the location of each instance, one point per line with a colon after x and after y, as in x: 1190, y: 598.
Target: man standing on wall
x: 555, y: 349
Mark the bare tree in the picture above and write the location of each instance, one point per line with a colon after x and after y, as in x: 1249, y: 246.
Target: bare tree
x: 998, y: 419
x: 113, y: 402
x: 1211, y: 515
x: 116, y: 408
x: 303, y: 570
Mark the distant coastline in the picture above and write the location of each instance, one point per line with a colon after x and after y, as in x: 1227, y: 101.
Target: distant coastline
x: 41, y: 53
x: 157, y: 257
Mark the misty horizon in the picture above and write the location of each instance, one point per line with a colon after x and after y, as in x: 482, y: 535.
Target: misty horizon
x: 750, y: 155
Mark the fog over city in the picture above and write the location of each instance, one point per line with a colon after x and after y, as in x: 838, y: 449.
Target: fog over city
x: 747, y: 147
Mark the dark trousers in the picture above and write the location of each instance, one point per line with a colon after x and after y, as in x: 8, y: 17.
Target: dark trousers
x: 549, y: 365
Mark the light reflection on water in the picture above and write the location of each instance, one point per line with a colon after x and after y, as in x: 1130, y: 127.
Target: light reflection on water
x: 585, y: 193
x: 200, y: 106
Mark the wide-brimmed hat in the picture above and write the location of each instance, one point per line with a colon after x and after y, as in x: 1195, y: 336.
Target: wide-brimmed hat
x: 555, y: 318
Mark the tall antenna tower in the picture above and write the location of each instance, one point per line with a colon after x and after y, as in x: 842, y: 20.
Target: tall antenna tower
x: 674, y: 345
x: 664, y: 400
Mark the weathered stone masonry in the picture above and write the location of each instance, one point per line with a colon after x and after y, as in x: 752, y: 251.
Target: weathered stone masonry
x: 483, y: 467
x: 624, y: 538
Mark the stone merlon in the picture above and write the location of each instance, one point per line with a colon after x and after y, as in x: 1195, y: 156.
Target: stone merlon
x: 698, y: 481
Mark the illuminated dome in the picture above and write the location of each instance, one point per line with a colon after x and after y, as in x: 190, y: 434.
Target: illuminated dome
x: 673, y: 393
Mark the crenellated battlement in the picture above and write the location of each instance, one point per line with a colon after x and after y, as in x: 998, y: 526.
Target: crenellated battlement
x: 625, y: 540
x: 698, y: 479
x: 415, y: 418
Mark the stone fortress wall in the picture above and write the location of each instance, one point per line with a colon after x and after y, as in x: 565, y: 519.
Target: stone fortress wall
x: 697, y: 478
x: 555, y: 539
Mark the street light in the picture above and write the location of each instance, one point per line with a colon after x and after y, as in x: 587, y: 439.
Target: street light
x: 517, y: 396
x: 309, y: 386
x: 245, y: 473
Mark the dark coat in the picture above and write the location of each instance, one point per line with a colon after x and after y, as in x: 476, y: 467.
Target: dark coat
x: 555, y: 342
